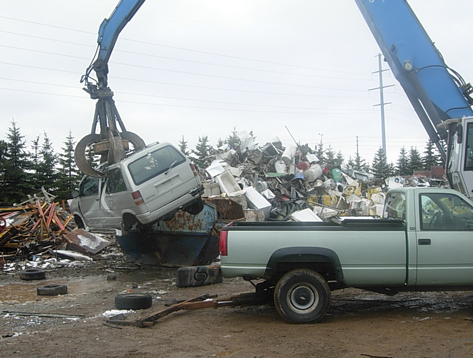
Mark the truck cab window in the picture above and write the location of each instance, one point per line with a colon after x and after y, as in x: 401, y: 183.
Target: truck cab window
x: 445, y: 212
x: 395, y: 206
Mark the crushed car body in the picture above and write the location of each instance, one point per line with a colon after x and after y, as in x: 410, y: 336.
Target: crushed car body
x: 143, y: 188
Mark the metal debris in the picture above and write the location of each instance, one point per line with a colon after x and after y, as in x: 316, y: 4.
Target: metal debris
x: 36, y: 229
x: 273, y: 182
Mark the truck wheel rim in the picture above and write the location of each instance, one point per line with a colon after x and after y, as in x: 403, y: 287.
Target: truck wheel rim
x: 303, y: 297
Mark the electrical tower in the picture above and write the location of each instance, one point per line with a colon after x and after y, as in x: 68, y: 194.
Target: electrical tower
x: 382, y: 103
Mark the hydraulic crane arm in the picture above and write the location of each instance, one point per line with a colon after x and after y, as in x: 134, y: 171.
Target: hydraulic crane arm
x: 108, y: 35
x: 436, y: 92
x: 111, y: 143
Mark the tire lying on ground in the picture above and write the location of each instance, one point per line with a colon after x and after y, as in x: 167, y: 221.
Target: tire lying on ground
x: 133, y: 301
x: 51, y: 290
x: 32, y: 274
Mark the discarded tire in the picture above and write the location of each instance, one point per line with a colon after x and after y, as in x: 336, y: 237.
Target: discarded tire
x: 52, y: 290
x: 32, y: 274
x: 133, y: 301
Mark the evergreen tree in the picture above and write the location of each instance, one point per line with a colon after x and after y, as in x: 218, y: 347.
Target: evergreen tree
x: 339, y: 160
x: 330, y: 157
x: 183, y: 147
x: 380, y: 167
x: 202, y: 151
x: 320, y: 154
x: 233, y: 140
x: 415, y: 161
x: 70, y: 175
x: 403, y: 163
x: 358, y: 163
x: 431, y: 156
x: 220, y: 144
x: 35, y: 154
x: 15, y: 175
x: 46, y: 175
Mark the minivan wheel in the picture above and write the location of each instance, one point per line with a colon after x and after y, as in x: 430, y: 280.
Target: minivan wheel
x: 195, y: 207
x: 128, y: 221
x: 79, y: 222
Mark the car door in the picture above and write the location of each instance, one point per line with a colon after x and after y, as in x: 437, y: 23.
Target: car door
x: 89, y: 203
x: 116, y: 198
x: 445, y: 240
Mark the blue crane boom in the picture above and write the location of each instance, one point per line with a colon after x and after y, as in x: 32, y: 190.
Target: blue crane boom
x: 108, y: 34
x: 436, y: 92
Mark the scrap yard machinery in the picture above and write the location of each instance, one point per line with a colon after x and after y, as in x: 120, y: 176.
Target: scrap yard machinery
x: 439, y: 95
x: 111, y: 143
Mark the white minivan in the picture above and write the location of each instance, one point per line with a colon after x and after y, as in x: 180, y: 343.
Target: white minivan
x: 143, y: 188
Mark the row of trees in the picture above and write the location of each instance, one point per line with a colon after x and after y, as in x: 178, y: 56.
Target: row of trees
x: 24, y: 171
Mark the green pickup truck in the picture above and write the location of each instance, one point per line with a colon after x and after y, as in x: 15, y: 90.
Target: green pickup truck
x: 424, y: 242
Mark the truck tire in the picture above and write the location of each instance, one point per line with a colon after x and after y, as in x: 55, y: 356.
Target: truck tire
x: 302, y: 296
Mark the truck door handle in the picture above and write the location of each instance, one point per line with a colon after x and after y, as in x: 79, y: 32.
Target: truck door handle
x: 424, y: 242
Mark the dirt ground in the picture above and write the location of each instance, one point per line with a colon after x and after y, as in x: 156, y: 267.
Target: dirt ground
x: 359, y: 324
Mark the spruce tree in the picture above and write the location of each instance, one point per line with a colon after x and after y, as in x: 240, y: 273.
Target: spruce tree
x: 202, y: 150
x: 330, y: 157
x: 233, y: 140
x: 358, y: 163
x: 320, y: 154
x: 46, y: 174
x: 431, y: 157
x: 380, y: 167
x: 16, y: 179
x: 415, y: 161
x: 70, y: 175
x: 183, y: 147
x: 403, y: 163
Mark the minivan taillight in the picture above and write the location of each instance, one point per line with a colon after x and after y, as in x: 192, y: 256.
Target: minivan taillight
x: 193, y: 169
x: 137, y: 198
x: 223, y: 243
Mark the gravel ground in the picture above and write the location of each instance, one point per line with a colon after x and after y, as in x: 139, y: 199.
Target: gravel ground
x: 359, y: 324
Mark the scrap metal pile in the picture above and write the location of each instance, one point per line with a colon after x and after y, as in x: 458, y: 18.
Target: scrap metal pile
x: 277, y: 183
x: 34, y: 226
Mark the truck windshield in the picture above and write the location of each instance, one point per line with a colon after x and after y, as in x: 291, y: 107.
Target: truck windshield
x: 154, y: 164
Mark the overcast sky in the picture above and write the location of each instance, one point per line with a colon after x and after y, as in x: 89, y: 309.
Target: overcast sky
x: 203, y: 68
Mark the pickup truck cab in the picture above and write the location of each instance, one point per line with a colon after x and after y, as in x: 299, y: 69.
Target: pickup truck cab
x: 423, y: 242
x: 143, y: 188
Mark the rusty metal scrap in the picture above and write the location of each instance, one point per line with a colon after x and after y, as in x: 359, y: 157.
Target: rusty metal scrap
x: 33, y: 227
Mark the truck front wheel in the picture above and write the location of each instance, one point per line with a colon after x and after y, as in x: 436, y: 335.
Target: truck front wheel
x: 302, y: 296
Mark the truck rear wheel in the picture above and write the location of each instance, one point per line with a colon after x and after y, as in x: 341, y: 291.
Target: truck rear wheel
x: 302, y: 296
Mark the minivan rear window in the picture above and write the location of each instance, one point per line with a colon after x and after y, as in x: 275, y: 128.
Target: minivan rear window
x: 154, y: 164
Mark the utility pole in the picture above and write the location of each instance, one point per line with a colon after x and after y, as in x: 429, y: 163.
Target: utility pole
x: 381, y: 102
